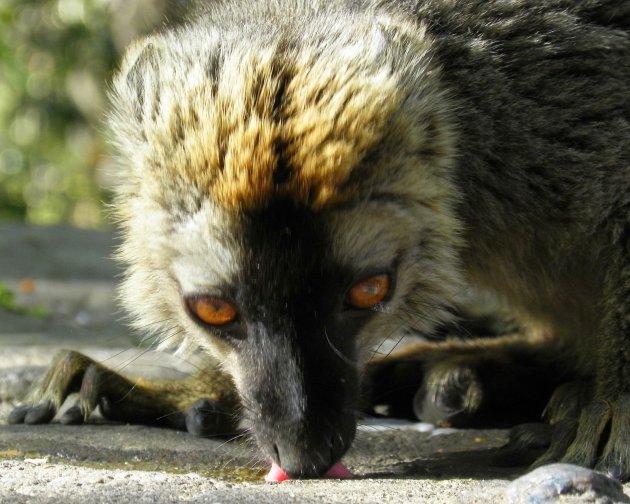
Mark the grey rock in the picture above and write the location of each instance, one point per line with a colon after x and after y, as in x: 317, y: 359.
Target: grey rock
x: 564, y: 483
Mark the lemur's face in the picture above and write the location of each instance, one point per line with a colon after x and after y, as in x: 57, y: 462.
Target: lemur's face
x: 293, y: 301
x: 287, y: 205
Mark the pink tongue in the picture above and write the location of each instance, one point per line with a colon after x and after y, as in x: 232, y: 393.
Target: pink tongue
x: 276, y: 473
x: 339, y: 471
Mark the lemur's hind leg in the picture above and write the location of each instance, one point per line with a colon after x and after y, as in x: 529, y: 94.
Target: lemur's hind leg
x: 203, y: 404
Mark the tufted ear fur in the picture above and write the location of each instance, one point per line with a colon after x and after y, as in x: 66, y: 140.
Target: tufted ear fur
x: 143, y: 82
x: 136, y: 92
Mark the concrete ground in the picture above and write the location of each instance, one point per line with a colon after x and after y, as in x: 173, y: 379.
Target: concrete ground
x: 68, y: 272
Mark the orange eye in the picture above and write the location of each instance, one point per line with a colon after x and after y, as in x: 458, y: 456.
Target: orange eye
x: 369, y: 292
x: 212, y: 310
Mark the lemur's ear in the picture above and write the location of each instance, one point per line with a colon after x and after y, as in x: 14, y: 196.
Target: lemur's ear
x: 135, y: 96
x: 139, y: 80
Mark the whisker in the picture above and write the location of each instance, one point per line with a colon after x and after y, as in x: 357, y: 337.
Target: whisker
x: 336, y: 350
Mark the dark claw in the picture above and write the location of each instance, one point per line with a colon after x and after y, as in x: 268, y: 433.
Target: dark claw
x: 531, y: 436
x: 72, y: 416
x: 205, y: 418
x: 562, y: 436
x: 40, y: 414
x: 17, y: 415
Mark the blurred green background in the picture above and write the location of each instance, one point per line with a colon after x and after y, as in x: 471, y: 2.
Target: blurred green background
x: 56, y: 59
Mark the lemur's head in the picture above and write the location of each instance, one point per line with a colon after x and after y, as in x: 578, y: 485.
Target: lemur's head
x: 286, y: 207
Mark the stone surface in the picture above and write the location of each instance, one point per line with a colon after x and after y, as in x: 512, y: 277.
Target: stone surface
x: 110, y: 462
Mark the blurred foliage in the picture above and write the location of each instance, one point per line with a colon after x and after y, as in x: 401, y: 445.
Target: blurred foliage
x: 56, y: 57
x: 8, y: 303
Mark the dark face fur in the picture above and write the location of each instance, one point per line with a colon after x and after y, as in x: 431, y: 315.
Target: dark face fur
x: 295, y: 342
x: 295, y: 339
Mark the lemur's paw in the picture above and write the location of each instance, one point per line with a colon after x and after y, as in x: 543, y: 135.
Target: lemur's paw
x: 449, y: 396
x: 69, y: 373
x: 599, y: 436
x: 602, y: 439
